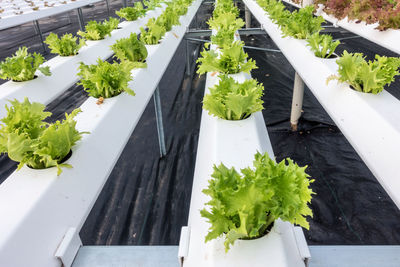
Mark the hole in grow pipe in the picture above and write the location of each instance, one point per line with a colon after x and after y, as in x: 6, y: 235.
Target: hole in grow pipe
x: 262, y: 235
x: 70, y: 55
x: 332, y: 56
x: 34, y: 77
x: 59, y: 162
x: 351, y: 86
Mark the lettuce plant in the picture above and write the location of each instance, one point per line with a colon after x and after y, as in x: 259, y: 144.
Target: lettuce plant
x: 226, y: 25
x: 225, y: 6
x: 132, y: 13
x: 180, y: 6
x: 363, y: 76
x: 168, y: 19
x: 231, y: 100
x: 244, y: 205
x: 322, y: 45
x: 27, y: 139
x: 276, y: 10
x: 130, y: 49
x: 105, y: 79
x: 64, y: 46
x: 153, y: 34
x: 113, y: 23
x: 385, y: 12
x: 230, y: 61
x: 302, y: 23
x: 97, y: 30
x: 389, y: 18
x: 339, y: 8
x: 152, y: 4
x: 226, y: 21
x: 22, y: 66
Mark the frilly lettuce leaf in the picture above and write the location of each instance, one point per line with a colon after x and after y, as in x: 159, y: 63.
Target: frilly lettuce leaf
x: 27, y: 139
x: 64, y: 46
x: 231, y: 100
x: 22, y: 66
x: 322, y: 45
x: 244, y: 205
x: 130, y: 49
x: 363, y: 76
x: 132, y: 13
x: 106, y: 79
x: 231, y: 60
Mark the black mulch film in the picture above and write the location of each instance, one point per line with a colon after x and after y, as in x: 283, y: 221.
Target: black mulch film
x: 146, y: 198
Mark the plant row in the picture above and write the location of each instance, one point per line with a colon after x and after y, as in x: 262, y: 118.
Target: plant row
x: 29, y: 140
x: 362, y: 75
x: 384, y: 12
x: 244, y: 204
x: 19, y: 7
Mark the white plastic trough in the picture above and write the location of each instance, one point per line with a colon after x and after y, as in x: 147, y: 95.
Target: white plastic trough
x: 234, y: 143
x: 37, y: 207
x: 11, y: 20
x: 371, y: 123
x: 45, y: 89
x: 390, y: 39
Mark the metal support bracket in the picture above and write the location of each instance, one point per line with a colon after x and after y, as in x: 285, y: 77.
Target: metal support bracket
x: 247, y: 17
x: 184, y: 244
x: 302, y: 246
x: 108, y: 8
x: 207, y: 33
x: 80, y: 19
x: 160, y: 126
x: 37, y: 28
x: 246, y: 46
x: 188, y: 59
x: 69, y: 247
x: 297, y: 101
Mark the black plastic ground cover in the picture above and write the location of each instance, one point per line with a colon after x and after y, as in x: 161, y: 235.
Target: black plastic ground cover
x: 146, y: 199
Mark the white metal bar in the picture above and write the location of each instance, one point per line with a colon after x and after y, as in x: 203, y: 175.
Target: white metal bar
x: 127, y: 256
x: 69, y: 247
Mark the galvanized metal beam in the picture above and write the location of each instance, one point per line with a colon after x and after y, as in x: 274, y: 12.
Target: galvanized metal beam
x: 37, y: 28
x: 108, y: 8
x: 246, y: 46
x: 206, y: 33
x: 80, y: 19
x: 159, y: 120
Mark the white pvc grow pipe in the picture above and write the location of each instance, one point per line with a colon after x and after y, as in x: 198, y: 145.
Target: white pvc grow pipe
x: 371, y: 123
x: 45, y: 89
x: 13, y: 20
x: 233, y: 143
x: 37, y: 207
